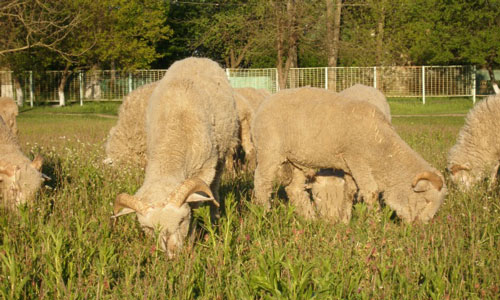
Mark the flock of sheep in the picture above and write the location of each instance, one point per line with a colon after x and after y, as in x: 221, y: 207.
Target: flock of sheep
x: 328, y: 149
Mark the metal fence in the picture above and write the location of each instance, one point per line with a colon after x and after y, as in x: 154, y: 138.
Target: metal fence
x: 421, y: 82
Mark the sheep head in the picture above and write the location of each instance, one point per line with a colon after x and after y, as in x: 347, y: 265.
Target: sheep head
x: 171, y: 216
x: 19, y: 183
x: 462, y: 176
x: 426, y: 196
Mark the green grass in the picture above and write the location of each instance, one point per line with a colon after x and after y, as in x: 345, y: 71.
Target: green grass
x: 65, y: 246
x: 107, y: 108
x: 433, y: 106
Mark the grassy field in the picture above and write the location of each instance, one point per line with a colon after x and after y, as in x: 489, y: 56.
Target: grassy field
x: 66, y: 246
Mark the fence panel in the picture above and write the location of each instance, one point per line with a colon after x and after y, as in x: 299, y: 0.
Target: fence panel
x: 257, y: 78
x: 396, y: 81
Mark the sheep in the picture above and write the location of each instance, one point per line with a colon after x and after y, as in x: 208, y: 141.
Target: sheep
x: 9, y: 112
x: 333, y: 193
x: 126, y: 142
x: 20, y: 178
x: 476, y: 155
x: 191, y: 123
x: 247, y: 102
x: 254, y: 96
x: 327, y: 189
x: 370, y: 94
x: 309, y: 128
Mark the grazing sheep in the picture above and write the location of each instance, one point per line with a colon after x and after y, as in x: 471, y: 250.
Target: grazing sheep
x: 9, y: 112
x: 247, y: 102
x: 20, y: 178
x: 304, y: 127
x: 370, y: 94
x: 191, y: 123
x: 126, y: 143
x: 476, y: 155
x: 333, y: 194
x: 254, y: 96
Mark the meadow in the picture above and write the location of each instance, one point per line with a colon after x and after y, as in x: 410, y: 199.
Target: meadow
x: 66, y: 246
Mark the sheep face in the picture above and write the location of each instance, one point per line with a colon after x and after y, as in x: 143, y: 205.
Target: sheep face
x: 424, y: 198
x: 169, y: 216
x: 19, y: 183
x: 462, y: 176
x: 171, y: 221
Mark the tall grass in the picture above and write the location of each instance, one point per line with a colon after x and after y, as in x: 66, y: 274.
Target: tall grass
x: 66, y: 246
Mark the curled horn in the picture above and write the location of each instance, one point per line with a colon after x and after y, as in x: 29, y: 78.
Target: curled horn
x: 435, y: 180
x: 189, y: 186
x: 127, y: 201
x: 456, y: 168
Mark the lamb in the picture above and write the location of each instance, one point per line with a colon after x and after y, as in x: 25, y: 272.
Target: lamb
x: 476, y: 155
x: 126, y: 142
x: 310, y: 128
x: 9, y: 112
x: 191, y: 123
x: 20, y: 178
x: 370, y: 94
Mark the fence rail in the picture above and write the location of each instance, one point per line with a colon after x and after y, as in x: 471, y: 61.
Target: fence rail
x: 106, y: 85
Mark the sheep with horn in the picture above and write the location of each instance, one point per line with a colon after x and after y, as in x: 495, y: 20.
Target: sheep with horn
x: 191, y: 123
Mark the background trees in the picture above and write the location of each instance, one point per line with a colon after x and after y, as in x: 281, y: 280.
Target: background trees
x: 119, y: 34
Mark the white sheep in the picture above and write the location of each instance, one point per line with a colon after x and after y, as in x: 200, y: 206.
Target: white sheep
x: 247, y: 102
x: 476, y: 155
x: 126, y: 142
x: 191, y: 123
x: 309, y: 128
x: 9, y: 112
x: 329, y: 191
x: 20, y: 178
x: 369, y: 94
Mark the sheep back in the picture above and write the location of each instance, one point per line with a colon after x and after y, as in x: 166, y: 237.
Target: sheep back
x: 126, y: 142
x: 370, y: 94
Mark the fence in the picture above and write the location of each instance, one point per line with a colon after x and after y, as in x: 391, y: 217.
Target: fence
x: 421, y: 82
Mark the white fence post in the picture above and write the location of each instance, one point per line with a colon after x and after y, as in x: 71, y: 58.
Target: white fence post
x: 326, y: 78
x: 80, y: 79
x: 32, y: 95
x: 130, y: 82
x: 474, y: 84
x: 423, y: 84
x: 375, y: 77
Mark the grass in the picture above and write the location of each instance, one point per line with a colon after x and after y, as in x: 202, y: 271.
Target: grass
x: 433, y: 106
x: 65, y: 245
x: 106, y: 108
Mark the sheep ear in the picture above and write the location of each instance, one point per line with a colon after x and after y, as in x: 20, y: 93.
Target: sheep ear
x: 37, y: 163
x: 196, y: 197
x: 126, y: 204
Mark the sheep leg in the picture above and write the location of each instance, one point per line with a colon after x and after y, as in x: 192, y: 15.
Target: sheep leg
x: 368, y: 188
x: 247, y: 145
x: 265, y: 173
x: 298, y: 196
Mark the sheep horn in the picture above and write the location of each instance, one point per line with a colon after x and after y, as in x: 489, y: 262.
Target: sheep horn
x: 435, y: 179
x: 188, y: 187
x: 456, y: 168
x: 125, y: 204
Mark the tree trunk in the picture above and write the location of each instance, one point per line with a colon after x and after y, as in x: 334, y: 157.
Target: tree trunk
x: 62, y: 83
x: 494, y: 82
x: 19, y: 91
x: 380, y: 35
x: 333, y: 38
